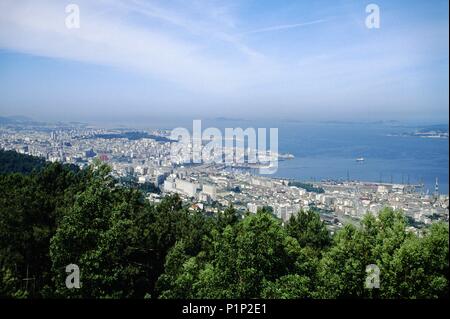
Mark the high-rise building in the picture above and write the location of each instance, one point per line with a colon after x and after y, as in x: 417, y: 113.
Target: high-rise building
x: 209, y: 190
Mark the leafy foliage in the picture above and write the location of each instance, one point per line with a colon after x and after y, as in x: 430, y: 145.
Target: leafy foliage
x: 125, y: 247
x: 308, y: 187
x: 309, y: 230
x: 13, y: 162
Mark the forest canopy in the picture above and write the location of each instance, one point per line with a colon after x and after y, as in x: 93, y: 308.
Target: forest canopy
x: 52, y: 215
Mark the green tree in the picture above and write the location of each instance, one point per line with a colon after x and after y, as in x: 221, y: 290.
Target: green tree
x: 241, y: 259
x: 410, y: 266
x: 29, y: 209
x: 228, y: 217
x: 309, y: 230
x: 97, y: 234
x: 419, y: 268
x: 288, y: 287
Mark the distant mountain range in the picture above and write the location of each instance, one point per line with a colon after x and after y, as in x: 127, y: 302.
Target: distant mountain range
x: 15, y: 119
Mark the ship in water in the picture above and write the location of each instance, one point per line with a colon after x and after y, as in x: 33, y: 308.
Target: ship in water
x: 360, y: 159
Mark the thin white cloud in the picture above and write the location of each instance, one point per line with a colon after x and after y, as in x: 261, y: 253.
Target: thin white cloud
x: 109, y: 38
x: 213, y: 26
x: 286, y: 26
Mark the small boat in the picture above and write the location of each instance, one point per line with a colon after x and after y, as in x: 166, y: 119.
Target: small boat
x: 360, y: 159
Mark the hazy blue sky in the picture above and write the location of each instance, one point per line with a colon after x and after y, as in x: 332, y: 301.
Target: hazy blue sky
x: 266, y: 59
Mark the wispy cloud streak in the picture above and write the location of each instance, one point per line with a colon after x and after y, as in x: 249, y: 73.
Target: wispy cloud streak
x: 286, y: 26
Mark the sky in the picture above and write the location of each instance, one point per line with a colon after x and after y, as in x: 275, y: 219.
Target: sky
x: 271, y: 59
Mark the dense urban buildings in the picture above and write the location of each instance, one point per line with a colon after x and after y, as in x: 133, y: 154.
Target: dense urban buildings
x: 145, y: 158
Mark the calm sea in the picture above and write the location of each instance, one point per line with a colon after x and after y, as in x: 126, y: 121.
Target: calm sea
x: 329, y: 151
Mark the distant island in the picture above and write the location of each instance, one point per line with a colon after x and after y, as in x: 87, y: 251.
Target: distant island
x: 435, y: 131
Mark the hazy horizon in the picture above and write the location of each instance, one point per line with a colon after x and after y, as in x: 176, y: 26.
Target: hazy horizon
x: 142, y: 121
